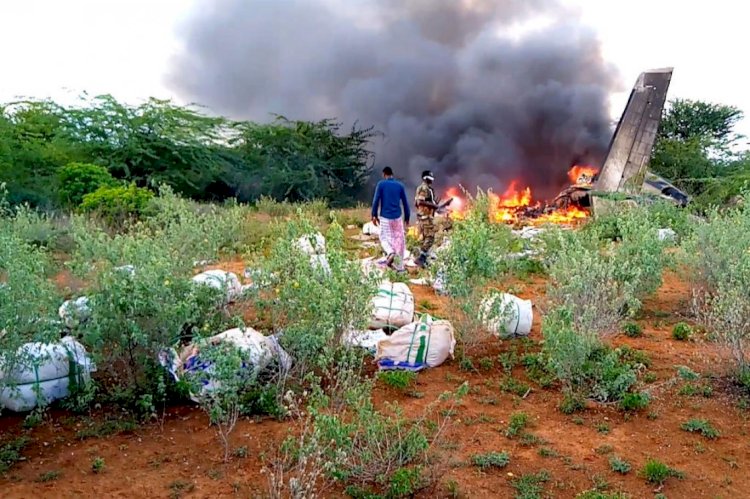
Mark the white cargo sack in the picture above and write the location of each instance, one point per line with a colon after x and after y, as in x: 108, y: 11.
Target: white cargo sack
x: 74, y: 312
x: 364, y: 339
x: 370, y: 229
x: 312, y: 244
x: 392, y: 306
x: 666, y: 235
x: 44, y: 373
x: 419, y: 345
x: 224, y: 281
x: 258, y: 351
x: 506, y: 315
x: 320, y: 262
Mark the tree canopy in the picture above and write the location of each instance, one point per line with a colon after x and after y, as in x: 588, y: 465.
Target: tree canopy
x: 199, y: 156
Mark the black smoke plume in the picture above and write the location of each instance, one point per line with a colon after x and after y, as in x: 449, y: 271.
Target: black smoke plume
x: 445, y: 82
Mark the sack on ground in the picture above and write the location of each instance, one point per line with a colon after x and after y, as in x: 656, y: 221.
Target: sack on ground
x: 392, y: 306
x: 416, y: 346
x: 260, y: 353
x: 312, y: 244
x: 75, y: 312
x: 226, y: 282
x: 506, y: 315
x: 320, y: 263
x: 43, y: 373
x: 370, y: 229
x: 364, y: 339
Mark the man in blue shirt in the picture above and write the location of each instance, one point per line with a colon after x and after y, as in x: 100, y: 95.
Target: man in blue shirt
x: 390, y: 197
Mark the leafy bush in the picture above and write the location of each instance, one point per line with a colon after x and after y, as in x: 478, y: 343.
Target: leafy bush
x: 78, y: 179
x: 518, y: 421
x: 529, y: 486
x: 400, y: 380
x: 229, y: 377
x: 603, y: 282
x: 619, y: 465
x: 585, y: 366
x: 491, y: 460
x: 655, y: 471
x: 140, y: 309
x: 701, y: 426
x: 635, y: 401
x: 10, y: 452
x: 97, y: 465
x: 117, y: 204
x: 681, y: 331
x: 720, y: 274
x: 632, y: 329
x: 314, y: 306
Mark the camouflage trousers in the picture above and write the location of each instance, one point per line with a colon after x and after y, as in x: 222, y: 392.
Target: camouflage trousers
x: 426, y: 231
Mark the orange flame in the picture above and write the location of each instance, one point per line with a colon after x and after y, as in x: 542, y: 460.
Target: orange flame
x: 582, y: 175
x: 508, y: 206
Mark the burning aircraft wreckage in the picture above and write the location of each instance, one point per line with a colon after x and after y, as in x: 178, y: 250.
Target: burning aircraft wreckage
x: 624, y: 173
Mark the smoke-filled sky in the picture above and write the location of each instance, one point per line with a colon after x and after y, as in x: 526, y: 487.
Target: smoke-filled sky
x: 133, y: 49
x: 454, y: 86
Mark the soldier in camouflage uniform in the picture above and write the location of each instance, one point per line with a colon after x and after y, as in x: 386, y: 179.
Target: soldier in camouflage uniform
x: 426, y: 205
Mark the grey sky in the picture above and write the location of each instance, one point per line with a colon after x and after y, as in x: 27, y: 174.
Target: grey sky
x: 60, y: 48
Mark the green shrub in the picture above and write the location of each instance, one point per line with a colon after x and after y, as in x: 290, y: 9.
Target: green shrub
x: 619, y: 465
x: 654, y: 471
x: 518, y: 421
x: 720, y: 276
x: 572, y: 403
x: 10, y: 452
x: 701, y: 426
x: 400, y: 380
x: 491, y: 460
x: 117, y: 204
x: 315, y: 308
x: 529, y: 486
x: 78, y: 179
x: 138, y: 311
x: 405, y: 482
x: 97, y: 465
x: 48, y: 476
x: 687, y: 374
x: 635, y: 401
x: 633, y: 329
x: 681, y: 331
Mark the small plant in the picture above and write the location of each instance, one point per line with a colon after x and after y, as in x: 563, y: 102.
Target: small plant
x: 518, y: 422
x: 681, y: 331
x: 486, y: 363
x: 180, y: 487
x: 604, y: 449
x: 635, y: 401
x: 97, y: 465
x: 603, y: 428
x: 240, y: 452
x: 687, y: 374
x: 405, y: 482
x: 701, y: 426
x: 10, y: 453
x: 530, y: 486
x: 694, y: 390
x: 400, y: 380
x: 49, y: 476
x: 491, y: 460
x: 598, y: 494
x: 654, y: 471
x: 632, y: 329
x: 514, y: 386
x: 547, y: 452
x: 466, y: 365
x: 649, y: 377
x: 572, y: 403
x: 452, y: 489
x: 619, y: 465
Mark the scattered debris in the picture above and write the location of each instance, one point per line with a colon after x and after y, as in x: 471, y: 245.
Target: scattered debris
x: 74, y: 312
x: 365, y: 339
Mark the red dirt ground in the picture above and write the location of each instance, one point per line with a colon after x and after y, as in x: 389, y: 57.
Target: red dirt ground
x: 183, y: 456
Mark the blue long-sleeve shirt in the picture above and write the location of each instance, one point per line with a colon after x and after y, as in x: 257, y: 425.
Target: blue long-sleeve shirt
x: 390, y: 195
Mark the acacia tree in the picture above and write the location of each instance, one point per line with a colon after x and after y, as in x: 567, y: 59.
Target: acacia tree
x: 694, y: 144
